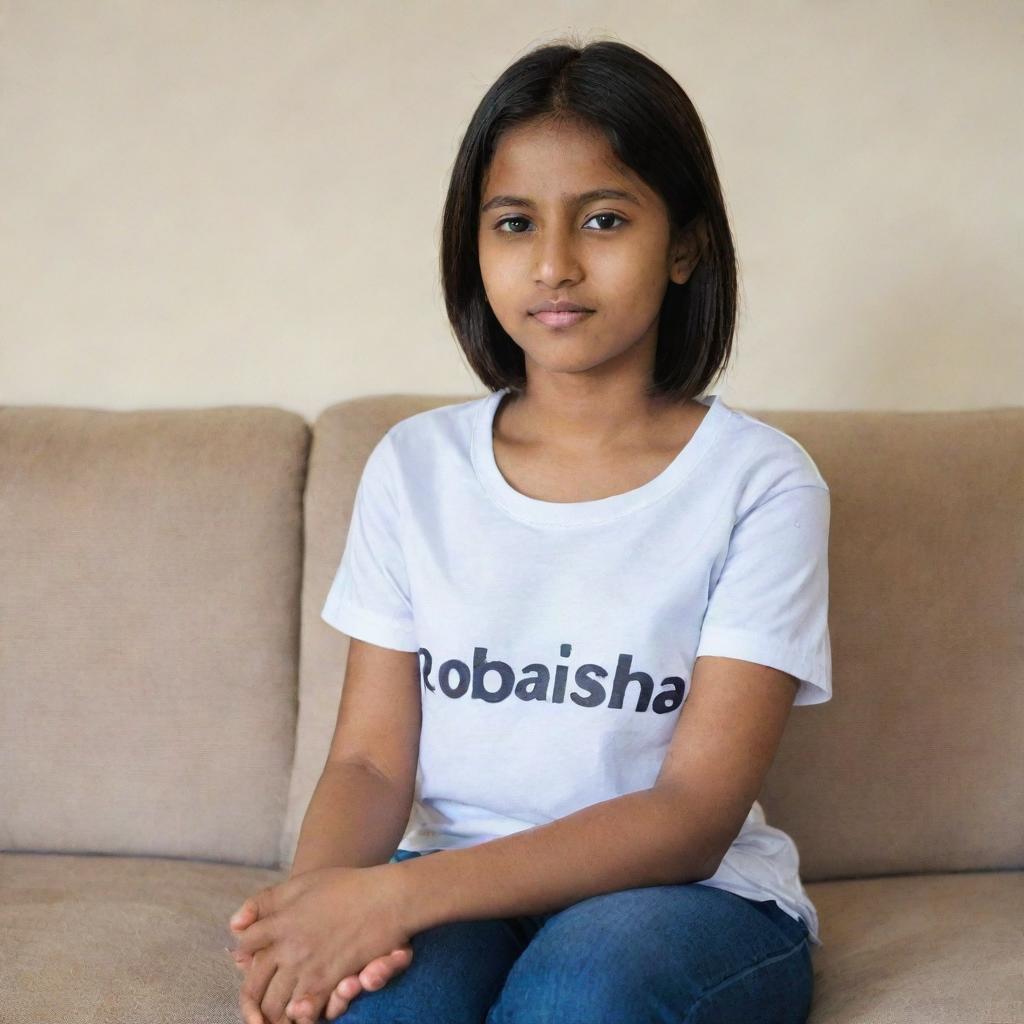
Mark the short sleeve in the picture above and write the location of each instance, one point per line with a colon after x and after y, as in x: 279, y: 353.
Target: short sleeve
x: 770, y: 601
x: 369, y: 597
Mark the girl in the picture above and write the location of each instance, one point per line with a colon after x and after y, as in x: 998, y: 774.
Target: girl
x: 537, y: 580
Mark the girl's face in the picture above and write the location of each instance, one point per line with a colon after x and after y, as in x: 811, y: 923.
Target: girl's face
x: 540, y: 242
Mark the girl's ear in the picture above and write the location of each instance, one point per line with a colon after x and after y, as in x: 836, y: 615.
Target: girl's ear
x: 689, y: 245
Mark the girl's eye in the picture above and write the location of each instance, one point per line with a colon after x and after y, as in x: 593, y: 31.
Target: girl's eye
x: 593, y: 216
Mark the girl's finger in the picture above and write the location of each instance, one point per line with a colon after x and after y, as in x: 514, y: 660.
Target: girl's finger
x: 258, y: 979
x: 344, y: 992
x: 376, y: 974
x: 379, y: 972
x: 239, y: 925
x: 301, y: 1010
x: 242, y: 917
x: 242, y: 960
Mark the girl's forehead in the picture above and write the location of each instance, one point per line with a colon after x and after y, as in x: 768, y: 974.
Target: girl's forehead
x: 547, y: 163
x: 571, y: 140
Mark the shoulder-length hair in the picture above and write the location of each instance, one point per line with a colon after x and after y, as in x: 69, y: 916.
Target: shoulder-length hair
x: 654, y: 129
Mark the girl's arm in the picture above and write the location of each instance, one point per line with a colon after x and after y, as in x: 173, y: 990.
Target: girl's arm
x: 360, y: 809
x: 677, y: 831
x: 355, y: 818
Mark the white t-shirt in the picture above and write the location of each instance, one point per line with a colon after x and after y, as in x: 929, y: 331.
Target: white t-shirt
x: 557, y: 639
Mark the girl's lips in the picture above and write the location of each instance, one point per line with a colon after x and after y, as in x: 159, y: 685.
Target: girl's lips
x: 564, y: 319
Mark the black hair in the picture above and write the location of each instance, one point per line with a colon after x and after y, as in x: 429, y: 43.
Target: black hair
x: 654, y: 129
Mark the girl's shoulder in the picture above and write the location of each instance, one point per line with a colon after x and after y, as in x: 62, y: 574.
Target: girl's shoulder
x: 768, y: 453
x: 437, y: 440
x: 445, y: 422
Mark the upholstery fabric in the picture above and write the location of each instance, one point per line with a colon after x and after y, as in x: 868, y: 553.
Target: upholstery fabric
x: 101, y: 939
x: 168, y: 693
x: 149, y: 620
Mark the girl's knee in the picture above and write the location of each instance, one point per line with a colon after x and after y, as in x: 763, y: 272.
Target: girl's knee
x: 579, y: 987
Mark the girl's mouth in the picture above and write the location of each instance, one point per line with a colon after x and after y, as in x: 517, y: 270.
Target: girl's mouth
x: 564, y: 319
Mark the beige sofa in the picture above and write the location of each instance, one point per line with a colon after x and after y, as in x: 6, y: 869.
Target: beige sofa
x: 169, y: 692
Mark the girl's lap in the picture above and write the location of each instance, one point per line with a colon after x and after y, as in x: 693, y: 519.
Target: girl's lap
x: 686, y: 954
x: 659, y: 954
x: 456, y: 973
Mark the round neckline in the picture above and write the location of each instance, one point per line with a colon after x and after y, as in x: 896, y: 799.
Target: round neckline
x: 598, y: 510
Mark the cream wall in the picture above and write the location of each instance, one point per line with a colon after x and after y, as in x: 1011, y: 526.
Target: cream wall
x: 207, y: 203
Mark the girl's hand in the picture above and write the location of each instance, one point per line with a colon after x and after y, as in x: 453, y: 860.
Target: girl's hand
x: 376, y: 974
x: 314, y: 928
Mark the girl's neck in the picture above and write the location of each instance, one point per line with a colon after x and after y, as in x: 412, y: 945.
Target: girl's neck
x: 596, y: 422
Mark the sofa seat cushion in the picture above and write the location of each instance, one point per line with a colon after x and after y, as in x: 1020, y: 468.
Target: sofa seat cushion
x: 87, y: 939
x: 919, y: 949
x: 95, y: 939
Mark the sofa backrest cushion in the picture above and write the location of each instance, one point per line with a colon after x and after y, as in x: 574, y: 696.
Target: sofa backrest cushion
x: 343, y: 437
x: 914, y: 765
x: 151, y: 567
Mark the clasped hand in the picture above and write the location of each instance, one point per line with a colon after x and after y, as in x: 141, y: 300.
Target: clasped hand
x: 312, y: 930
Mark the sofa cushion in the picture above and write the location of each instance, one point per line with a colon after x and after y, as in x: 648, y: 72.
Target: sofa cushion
x: 151, y: 566
x: 100, y: 939
x: 915, y: 763
x: 920, y: 949
x: 343, y: 436
x: 926, y: 557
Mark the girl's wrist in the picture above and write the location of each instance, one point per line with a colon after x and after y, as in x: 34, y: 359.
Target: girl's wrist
x: 400, y: 886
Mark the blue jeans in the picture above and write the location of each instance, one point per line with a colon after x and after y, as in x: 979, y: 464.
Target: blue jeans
x: 668, y: 954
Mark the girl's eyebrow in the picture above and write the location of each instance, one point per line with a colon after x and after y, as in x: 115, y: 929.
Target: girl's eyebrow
x: 567, y: 198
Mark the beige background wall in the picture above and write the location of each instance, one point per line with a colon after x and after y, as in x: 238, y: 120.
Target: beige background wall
x: 238, y: 202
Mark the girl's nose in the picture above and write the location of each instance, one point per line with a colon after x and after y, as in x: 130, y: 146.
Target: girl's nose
x: 557, y: 261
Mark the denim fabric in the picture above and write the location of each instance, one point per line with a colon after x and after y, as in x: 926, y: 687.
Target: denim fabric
x: 669, y: 954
